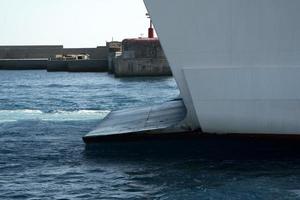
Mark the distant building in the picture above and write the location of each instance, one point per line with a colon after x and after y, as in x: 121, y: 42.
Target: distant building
x: 114, y: 46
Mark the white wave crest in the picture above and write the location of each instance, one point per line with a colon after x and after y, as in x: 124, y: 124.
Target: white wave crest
x: 26, y: 114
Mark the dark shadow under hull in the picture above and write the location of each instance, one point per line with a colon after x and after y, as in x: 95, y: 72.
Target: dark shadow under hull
x: 230, y: 146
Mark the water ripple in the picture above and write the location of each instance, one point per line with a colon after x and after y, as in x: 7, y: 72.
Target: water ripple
x: 42, y: 156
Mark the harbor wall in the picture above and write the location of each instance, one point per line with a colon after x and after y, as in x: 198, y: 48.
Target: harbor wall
x: 132, y: 57
x: 88, y: 66
x: 93, y: 65
x: 42, y: 57
x: 57, y: 66
x: 23, y: 64
x: 112, y: 59
x: 143, y: 48
x: 49, y: 51
x: 141, y: 67
x: 29, y: 52
x: 140, y: 57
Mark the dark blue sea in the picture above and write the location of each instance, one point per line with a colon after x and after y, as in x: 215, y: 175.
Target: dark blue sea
x: 43, y: 117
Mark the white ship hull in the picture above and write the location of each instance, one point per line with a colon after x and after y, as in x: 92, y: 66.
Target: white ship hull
x: 236, y: 62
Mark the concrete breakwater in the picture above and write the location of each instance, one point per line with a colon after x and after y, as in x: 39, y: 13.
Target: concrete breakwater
x: 131, y: 57
x: 94, y: 65
x: 42, y: 57
x: 49, y: 51
x: 141, y: 67
x: 23, y: 64
x: 99, y: 65
x: 139, y: 57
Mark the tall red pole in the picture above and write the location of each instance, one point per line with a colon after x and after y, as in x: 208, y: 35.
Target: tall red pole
x: 150, y: 29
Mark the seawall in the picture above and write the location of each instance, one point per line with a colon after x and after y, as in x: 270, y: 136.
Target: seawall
x: 141, y: 67
x: 93, y: 65
x: 132, y: 57
x: 23, y: 64
x: 139, y: 57
x: 99, y: 65
x: 49, y: 51
x: 41, y: 56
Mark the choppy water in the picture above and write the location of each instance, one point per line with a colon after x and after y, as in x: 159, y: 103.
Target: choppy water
x: 44, y: 115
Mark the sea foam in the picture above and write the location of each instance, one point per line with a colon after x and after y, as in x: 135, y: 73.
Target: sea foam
x: 60, y: 115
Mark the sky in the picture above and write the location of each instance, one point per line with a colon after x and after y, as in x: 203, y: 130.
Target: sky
x: 72, y: 23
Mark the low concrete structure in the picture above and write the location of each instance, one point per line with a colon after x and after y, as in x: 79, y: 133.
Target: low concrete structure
x: 141, y: 67
x: 77, y: 65
x: 57, y: 66
x: 114, y: 50
x: 43, y: 57
x: 23, y: 64
x: 88, y: 65
x: 132, y: 57
x: 29, y: 51
x: 112, y: 57
x: 140, y: 57
x: 49, y: 51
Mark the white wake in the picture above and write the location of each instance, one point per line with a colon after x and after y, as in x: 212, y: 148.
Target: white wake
x: 17, y: 115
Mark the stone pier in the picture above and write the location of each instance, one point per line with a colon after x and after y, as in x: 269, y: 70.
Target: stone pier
x: 140, y: 57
